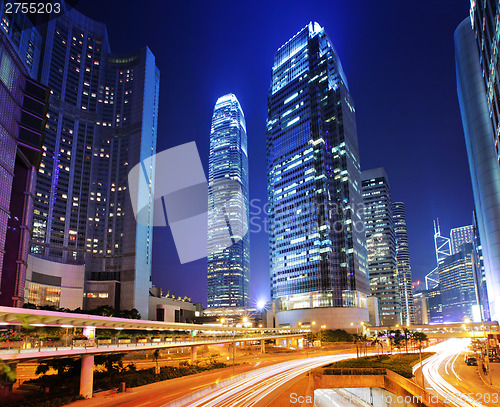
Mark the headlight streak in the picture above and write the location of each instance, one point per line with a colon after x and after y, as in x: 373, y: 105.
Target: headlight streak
x: 256, y: 386
x: 430, y: 370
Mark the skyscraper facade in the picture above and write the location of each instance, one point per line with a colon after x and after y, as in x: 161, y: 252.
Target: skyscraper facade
x: 484, y: 17
x: 403, y: 263
x: 460, y: 236
x: 23, y: 108
x: 228, y: 264
x: 483, y: 164
x: 381, y: 244
x: 480, y: 273
x: 316, y: 234
x: 102, y: 121
x: 457, y: 285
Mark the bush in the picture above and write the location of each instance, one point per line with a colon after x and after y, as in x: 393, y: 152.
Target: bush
x: 401, y: 364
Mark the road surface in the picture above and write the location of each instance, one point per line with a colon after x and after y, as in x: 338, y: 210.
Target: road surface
x: 256, y: 388
x: 447, y: 376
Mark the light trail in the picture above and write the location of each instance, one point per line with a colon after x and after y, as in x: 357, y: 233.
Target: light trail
x: 254, y: 387
x: 446, y: 351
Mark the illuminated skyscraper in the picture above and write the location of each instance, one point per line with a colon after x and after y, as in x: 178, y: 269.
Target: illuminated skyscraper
x: 102, y: 121
x: 228, y: 204
x: 477, y: 101
x: 403, y: 263
x: 316, y: 230
x: 460, y: 236
x: 381, y: 244
x: 23, y: 108
x: 457, y: 285
x: 484, y: 17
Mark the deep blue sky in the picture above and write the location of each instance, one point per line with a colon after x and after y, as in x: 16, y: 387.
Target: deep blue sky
x: 399, y: 60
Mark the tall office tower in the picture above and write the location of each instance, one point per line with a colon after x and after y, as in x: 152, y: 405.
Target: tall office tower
x: 442, y: 244
x: 403, y: 263
x: 483, y: 163
x: 381, y: 244
x: 432, y: 279
x: 228, y: 203
x: 102, y: 121
x: 421, y: 308
x: 485, y: 17
x: 23, y: 108
x: 435, y: 305
x: 24, y: 38
x: 479, y: 272
x: 316, y: 234
x: 457, y: 285
x: 460, y: 236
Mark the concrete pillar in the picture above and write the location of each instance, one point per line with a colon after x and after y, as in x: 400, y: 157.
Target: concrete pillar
x: 288, y: 343
x: 262, y: 346
x: 277, y: 342
x: 194, y: 353
x: 87, y: 377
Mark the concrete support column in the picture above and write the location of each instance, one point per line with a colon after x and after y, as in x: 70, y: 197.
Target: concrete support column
x: 87, y: 377
x: 194, y: 353
x: 277, y: 342
x: 262, y: 346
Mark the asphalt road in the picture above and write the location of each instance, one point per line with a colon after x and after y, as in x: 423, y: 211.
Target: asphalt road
x: 456, y: 384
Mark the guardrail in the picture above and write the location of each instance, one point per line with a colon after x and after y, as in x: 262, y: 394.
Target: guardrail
x: 42, y: 345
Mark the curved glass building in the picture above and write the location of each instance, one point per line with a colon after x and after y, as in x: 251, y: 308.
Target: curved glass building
x: 228, y: 207
x: 480, y: 142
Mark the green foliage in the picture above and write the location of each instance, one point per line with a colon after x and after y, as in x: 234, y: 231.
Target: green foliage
x: 401, y: 364
x: 112, y: 363
x: 65, y: 367
x: 337, y: 335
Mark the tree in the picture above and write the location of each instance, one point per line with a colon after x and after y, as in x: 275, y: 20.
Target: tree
x: 112, y: 363
x: 406, y: 336
x: 356, y: 341
x: 420, y: 337
x: 63, y: 366
x: 156, y: 355
x: 337, y: 335
x: 364, y: 339
x: 377, y: 340
x: 396, y: 339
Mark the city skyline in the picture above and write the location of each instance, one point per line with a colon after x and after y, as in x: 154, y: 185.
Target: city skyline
x: 348, y: 30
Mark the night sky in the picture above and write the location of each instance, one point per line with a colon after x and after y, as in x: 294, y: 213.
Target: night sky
x: 398, y: 57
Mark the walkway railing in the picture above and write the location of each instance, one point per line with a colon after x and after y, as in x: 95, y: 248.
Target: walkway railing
x: 32, y: 345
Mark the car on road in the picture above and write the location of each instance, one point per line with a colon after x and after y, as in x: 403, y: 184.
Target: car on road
x: 470, y: 360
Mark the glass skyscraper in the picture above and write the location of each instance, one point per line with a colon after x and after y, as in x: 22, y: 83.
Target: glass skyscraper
x: 228, y: 207
x: 480, y: 142
x: 403, y: 263
x: 381, y: 244
x: 102, y: 121
x: 485, y: 17
x: 457, y: 285
x: 23, y: 108
x: 316, y: 233
x: 460, y: 236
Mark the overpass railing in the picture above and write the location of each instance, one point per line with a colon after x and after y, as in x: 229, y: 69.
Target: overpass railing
x: 43, y: 344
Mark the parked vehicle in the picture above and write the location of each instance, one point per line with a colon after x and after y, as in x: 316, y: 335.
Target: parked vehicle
x: 470, y: 360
